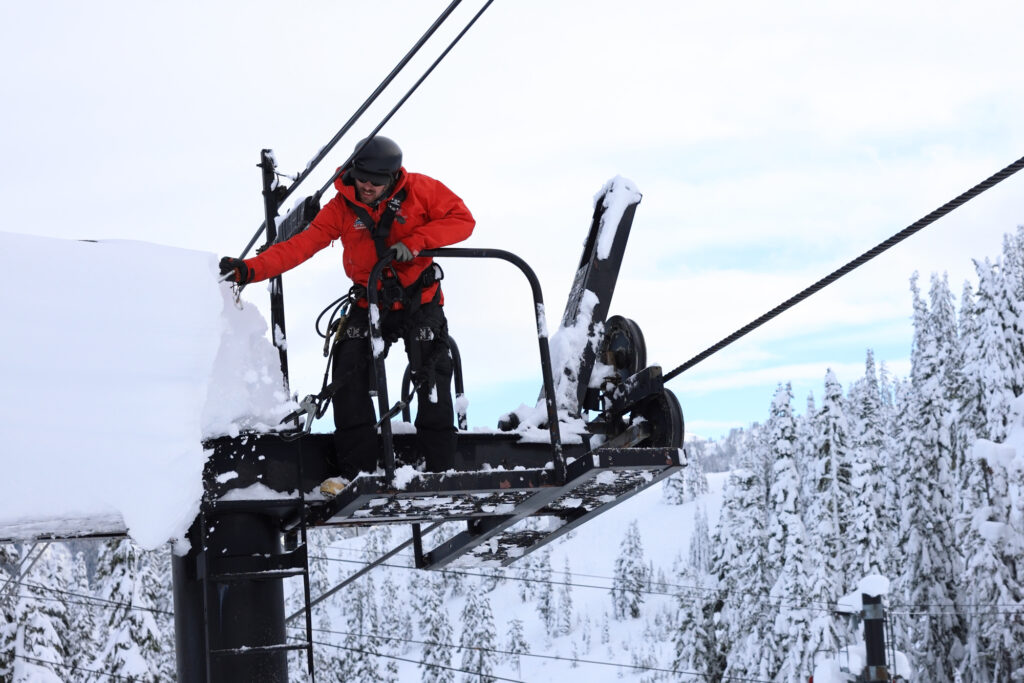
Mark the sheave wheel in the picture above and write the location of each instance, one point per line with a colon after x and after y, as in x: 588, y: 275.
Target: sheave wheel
x: 665, y: 417
x: 623, y: 346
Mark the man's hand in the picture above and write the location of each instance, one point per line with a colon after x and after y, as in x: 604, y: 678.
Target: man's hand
x: 235, y: 270
x: 402, y: 252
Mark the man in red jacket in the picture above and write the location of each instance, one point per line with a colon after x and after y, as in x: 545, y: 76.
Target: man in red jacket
x: 379, y: 207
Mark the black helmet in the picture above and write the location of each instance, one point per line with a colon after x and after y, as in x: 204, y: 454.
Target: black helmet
x: 379, y: 160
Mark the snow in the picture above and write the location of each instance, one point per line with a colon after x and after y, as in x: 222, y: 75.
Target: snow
x: 872, y: 585
x: 619, y: 193
x: 119, y: 358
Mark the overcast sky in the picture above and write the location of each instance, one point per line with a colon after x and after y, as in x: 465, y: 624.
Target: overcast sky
x: 772, y: 143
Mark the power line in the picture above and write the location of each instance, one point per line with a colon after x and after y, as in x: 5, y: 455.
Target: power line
x: 73, y: 667
x: 640, y: 667
x: 819, y: 607
x: 411, y: 661
x: 84, y: 596
x: 896, y: 608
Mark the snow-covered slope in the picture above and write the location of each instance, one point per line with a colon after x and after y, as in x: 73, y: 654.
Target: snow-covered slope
x: 580, y: 568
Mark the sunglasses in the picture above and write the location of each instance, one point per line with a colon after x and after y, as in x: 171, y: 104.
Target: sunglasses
x: 363, y: 179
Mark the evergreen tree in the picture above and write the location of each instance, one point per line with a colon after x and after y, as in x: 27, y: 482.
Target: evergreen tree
x: 544, y: 592
x: 154, y: 575
x: 82, y: 615
x: 700, y: 542
x: 478, y: 639
x: 132, y: 644
x: 991, y: 356
x: 325, y: 659
x: 694, y: 633
x: 691, y: 482
x: 826, y: 518
x: 9, y: 559
x: 361, y: 661
x: 931, y: 561
x: 516, y: 645
x: 525, y: 586
x: 438, y: 633
x: 41, y: 617
x: 630, y: 578
x: 566, y: 613
x: 868, y: 533
x: 806, y: 448
x: 397, y: 627
x: 787, y: 546
x: 746, y: 626
x: 993, y: 643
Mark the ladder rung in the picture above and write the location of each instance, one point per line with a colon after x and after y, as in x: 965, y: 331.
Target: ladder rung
x: 253, y: 566
x: 265, y: 575
x: 260, y: 649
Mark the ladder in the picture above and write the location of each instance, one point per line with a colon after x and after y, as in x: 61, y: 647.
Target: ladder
x: 230, y: 570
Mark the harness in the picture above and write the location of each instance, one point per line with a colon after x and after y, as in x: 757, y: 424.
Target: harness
x: 392, y: 291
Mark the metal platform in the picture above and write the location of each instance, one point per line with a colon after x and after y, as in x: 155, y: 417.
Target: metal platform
x: 510, y: 482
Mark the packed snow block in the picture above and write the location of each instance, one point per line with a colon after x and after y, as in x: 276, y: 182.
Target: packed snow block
x: 117, y: 359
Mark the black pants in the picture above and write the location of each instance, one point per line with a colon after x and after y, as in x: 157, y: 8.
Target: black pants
x: 424, y: 332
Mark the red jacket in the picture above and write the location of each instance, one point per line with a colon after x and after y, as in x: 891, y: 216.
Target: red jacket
x: 431, y: 216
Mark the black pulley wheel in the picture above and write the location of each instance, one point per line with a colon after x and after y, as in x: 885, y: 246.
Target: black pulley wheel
x: 664, y: 416
x: 623, y: 346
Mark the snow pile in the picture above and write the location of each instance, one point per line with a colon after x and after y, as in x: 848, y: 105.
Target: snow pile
x: 117, y: 359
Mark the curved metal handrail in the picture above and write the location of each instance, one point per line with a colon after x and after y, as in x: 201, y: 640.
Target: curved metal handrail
x: 377, y: 349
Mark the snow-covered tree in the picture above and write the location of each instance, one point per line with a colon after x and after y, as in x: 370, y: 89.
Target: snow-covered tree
x: 988, y: 582
x: 991, y: 355
x: 746, y: 627
x: 868, y: 533
x: 82, y: 615
x: 826, y: 516
x: 478, y: 639
x: 631, y: 576
x: 437, y: 631
x: 693, y: 634
x: 691, y: 482
x: 324, y: 658
x: 516, y: 644
x: 9, y: 558
x: 544, y: 592
x: 699, y: 555
x: 43, y: 625
x: 926, y: 583
x: 566, y: 613
x: 787, y: 545
x: 363, y: 646
x: 132, y: 644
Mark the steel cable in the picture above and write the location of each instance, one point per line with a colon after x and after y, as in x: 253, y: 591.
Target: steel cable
x: 852, y: 265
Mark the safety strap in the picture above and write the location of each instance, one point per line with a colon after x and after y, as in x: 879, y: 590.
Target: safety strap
x: 380, y: 230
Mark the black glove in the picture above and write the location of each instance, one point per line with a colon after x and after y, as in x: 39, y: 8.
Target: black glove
x: 236, y: 270
x: 402, y: 252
